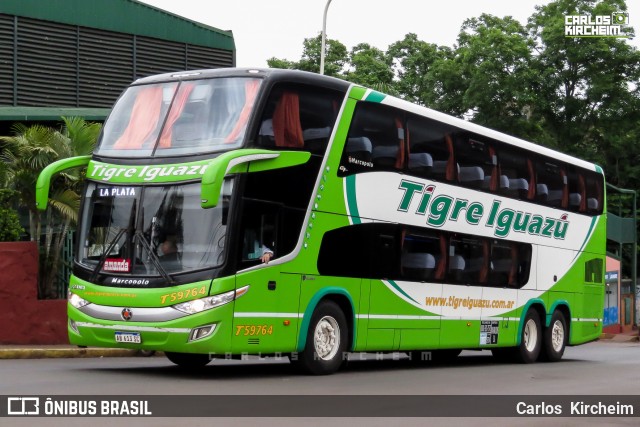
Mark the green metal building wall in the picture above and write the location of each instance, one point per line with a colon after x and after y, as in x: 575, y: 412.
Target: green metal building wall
x: 74, y: 57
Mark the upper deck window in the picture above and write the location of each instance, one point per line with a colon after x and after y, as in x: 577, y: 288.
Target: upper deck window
x: 171, y: 119
x: 298, y: 117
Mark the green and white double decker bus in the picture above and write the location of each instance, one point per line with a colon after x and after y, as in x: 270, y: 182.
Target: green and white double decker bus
x: 236, y: 212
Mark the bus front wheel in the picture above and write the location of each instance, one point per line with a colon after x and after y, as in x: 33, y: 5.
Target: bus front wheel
x: 188, y: 360
x: 531, y: 338
x: 555, y: 338
x: 327, y: 340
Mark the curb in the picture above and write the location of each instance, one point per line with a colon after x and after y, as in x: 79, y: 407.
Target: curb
x: 619, y: 337
x: 58, y: 353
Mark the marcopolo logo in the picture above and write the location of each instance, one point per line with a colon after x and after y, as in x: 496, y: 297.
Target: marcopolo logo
x: 596, y: 26
x: 438, y: 209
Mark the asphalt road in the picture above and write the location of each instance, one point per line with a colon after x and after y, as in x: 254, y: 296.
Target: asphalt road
x: 601, y: 368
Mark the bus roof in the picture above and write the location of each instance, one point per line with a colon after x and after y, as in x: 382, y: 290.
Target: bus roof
x: 273, y: 74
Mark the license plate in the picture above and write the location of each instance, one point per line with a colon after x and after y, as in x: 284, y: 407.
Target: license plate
x: 128, y: 337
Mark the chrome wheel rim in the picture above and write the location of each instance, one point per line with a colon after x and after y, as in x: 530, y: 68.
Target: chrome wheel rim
x: 326, y: 338
x: 530, y: 335
x: 557, y: 336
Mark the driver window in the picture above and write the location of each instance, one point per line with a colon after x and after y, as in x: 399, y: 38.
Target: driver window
x: 259, y: 233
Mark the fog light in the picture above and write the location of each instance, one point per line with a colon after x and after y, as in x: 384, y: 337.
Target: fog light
x: 201, y: 332
x: 73, y: 326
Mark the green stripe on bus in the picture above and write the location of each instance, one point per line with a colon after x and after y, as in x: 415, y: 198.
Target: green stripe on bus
x: 352, y: 201
x: 375, y: 96
x: 357, y: 92
x: 399, y: 289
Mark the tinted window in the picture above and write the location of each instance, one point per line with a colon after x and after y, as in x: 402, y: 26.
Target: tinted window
x: 376, y: 140
x: 379, y: 141
x: 197, y: 116
x: 391, y: 251
x: 430, y: 149
x: 299, y: 117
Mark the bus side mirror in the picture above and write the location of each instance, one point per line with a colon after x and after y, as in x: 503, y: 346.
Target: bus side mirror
x: 244, y: 161
x: 44, y: 179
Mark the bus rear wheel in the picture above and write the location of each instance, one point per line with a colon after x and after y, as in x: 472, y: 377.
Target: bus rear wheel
x: 555, y: 338
x: 531, y: 338
x: 327, y: 340
x: 188, y: 360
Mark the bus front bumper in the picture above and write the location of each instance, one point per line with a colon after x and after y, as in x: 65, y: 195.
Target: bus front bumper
x: 205, y: 333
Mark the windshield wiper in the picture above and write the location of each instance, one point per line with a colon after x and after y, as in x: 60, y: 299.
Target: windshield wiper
x: 106, y: 253
x: 138, y: 236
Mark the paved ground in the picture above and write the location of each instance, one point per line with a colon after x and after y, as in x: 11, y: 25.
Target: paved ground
x: 67, y: 351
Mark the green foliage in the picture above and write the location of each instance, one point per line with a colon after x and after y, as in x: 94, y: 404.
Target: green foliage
x: 334, y: 62
x: 24, y: 155
x: 580, y: 96
x: 370, y: 66
x: 584, y: 87
x: 414, y: 59
x: 10, y: 228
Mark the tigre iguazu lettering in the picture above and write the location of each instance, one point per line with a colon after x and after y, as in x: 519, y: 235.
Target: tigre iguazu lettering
x: 440, y: 208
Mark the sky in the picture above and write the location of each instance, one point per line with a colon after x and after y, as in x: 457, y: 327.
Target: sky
x: 263, y: 29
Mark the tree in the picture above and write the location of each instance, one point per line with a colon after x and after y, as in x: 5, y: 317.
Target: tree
x: 335, y: 57
x: 369, y: 66
x: 585, y: 83
x: 412, y: 61
x: 29, y: 151
x: 10, y: 228
x: 494, y: 56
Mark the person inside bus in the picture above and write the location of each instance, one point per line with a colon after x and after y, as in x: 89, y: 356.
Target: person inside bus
x: 264, y: 253
x: 254, y: 250
x: 168, y: 250
x: 267, y: 255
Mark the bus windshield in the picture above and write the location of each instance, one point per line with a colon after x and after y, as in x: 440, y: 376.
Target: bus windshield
x: 177, y: 118
x: 151, y: 231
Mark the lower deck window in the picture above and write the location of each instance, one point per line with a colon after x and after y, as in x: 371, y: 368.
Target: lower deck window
x: 392, y: 251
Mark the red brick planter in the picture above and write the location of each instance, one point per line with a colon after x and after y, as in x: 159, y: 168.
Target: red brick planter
x: 23, y: 318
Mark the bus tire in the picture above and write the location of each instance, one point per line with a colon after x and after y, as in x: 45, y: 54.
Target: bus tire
x: 531, y: 338
x: 188, y: 360
x: 327, y: 339
x: 555, y: 338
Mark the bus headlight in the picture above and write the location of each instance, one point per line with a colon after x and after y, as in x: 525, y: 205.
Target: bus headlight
x: 207, y: 303
x: 76, y: 301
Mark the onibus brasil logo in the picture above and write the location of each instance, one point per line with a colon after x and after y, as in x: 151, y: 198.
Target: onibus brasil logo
x: 596, y: 26
x: 419, y: 198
